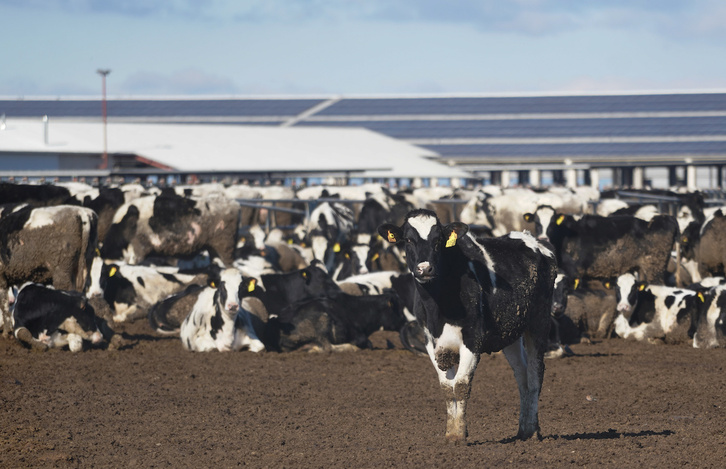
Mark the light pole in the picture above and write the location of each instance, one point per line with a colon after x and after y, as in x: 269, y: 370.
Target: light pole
x: 104, y: 73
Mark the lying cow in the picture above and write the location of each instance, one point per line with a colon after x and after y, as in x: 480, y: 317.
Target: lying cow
x: 217, y: 322
x: 340, y: 322
x: 652, y: 312
x: 475, y: 297
x: 48, y: 318
x: 131, y: 290
x: 48, y: 245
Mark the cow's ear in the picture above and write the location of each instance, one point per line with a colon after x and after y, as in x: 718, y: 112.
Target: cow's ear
x: 528, y: 217
x: 454, y: 231
x: 390, y: 233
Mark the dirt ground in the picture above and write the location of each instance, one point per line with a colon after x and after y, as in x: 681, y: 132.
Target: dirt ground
x: 152, y: 404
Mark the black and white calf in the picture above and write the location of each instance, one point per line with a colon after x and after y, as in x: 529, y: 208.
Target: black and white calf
x: 48, y: 318
x: 647, y: 312
x: 131, y: 290
x: 475, y: 297
x: 217, y: 322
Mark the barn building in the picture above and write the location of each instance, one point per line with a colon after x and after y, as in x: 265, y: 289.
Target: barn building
x: 662, y: 139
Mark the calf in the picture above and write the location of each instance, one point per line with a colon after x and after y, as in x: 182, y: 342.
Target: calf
x: 216, y: 322
x: 48, y: 318
x: 475, y: 297
x: 131, y: 290
x: 649, y: 312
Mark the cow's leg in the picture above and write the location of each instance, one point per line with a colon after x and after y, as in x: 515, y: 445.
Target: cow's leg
x: 534, y: 346
x: 455, y: 381
x: 5, y: 311
x: 24, y: 335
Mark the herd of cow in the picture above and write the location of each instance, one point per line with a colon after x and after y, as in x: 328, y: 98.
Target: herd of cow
x: 456, y: 272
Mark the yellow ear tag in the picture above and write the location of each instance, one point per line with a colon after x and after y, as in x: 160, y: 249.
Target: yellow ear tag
x: 560, y: 219
x: 98, y: 252
x: 213, y: 285
x: 304, y: 274
x: 336, y: 247
x: 701, y: 297
x: 684, y: 240
x: 112, y: 272
x: 289, y: 241
x: 452, y: 239
x: 347, y: 256
x: 607, y: 285
x: 577, y: 283
x: 391, y: 237
x: 375, y: 257
x: 251, y: 286
x: 641, y: 288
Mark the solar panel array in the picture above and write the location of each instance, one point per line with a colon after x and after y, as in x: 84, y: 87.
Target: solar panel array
x: 462, y: 129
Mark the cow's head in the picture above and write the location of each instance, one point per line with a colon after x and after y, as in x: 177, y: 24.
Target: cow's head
x: 563, y: 286
x: 627, y: 287
x: 543, y: 218
x: 425, y: 239
x: 227, y: 288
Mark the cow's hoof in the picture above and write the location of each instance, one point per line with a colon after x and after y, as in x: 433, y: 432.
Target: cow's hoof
x: 455, y: 439
x: 116, y: 342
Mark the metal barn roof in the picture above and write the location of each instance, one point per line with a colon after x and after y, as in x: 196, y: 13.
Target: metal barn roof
x: 648, y: 128
x: 197, y: 148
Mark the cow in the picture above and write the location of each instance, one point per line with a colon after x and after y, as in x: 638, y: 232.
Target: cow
x: 340, y: 322
x: 591, y: 308
x: 329, y: 223
x: 170, y: 225
x: 217, y: 322
x: 605, y: 247
x: 655, y: 312
x: 710, y: 325
x: 131, y: 290
x: 475, y: 297
x: 702, y: 247
x: 167, y: 316
x: 37, y: 195
x: 48, y: 318
x: 562, y: 331
x: 49, y: 245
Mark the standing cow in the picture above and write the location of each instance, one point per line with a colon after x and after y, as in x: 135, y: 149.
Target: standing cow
x: 170, y: 225
x: 475, y: 297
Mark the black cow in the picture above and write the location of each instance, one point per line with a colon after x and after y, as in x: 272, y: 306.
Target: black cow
x: 48, y: 318
x: 475, y: 297
x: 605, y: 247
x: 339, y: 322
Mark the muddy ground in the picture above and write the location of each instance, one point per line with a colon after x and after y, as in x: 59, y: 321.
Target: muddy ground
x: 152, y: 404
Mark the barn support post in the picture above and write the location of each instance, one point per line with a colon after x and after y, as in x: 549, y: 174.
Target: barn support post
x: 506, y: 178
x: 638, y: 177
x: 535, y: 177
x: 691, y: 183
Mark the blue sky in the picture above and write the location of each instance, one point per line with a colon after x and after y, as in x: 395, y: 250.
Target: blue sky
x: 359, y: 47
